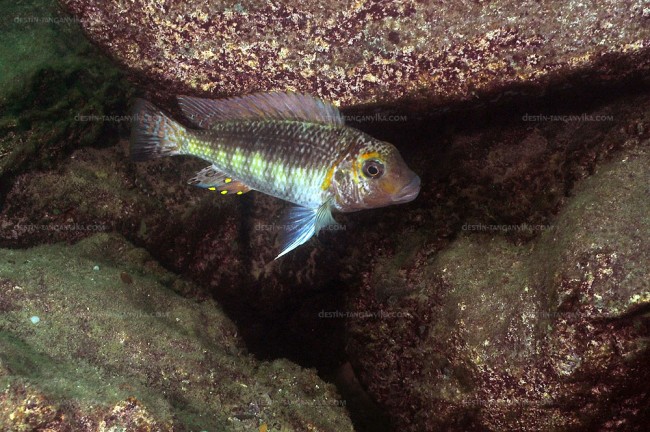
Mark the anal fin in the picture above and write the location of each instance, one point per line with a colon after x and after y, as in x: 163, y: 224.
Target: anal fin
x: 212, y: 179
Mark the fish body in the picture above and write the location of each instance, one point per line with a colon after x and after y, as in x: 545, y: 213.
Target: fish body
x: 262, y: 155
x: 290, y: 146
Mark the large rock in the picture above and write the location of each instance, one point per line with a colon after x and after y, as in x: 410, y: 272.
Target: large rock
x: 368, y: 51
x: 480, y: 167
x: 522, y: 326
x: 92, y: 338
x: 57, y: 92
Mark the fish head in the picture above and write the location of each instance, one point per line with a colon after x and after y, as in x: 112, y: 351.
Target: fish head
x: 373, y: 174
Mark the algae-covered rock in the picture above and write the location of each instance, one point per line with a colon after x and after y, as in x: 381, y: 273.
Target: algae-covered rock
x: 57, y: 92
x: 549, y: 334
x: 226, y: 245
x: 92, y: 338
x: 487, y: 178
x: 421, y: 280
x: 368, y: 52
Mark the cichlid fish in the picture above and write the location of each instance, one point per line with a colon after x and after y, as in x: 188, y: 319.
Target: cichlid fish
x: 286, y: 145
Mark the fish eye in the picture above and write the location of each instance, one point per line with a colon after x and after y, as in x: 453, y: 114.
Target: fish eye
x: 373, y: 169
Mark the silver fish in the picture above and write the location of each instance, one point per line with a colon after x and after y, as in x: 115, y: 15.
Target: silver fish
x: 287, y: 145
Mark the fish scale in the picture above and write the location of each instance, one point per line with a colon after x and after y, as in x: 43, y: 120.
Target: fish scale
x: 255, y: 152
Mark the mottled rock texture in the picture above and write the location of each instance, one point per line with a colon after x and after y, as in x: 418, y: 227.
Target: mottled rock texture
x: 92, y: 338
x: 418, y: 290
x: 52, y: 80
x: 517, y: 326
x: 369, y: 51
x: 383, y: 274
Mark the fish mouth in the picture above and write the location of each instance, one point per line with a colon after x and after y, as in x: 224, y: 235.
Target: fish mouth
x: 408, y: 192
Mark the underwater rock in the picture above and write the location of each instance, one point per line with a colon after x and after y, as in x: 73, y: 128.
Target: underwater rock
x: 498, y: 173
x: 494, y: 333
x: 57, y: 92
x: 107, y: 355
x: 369, y: 51
x: 499, y: 169
x: 226, y: 245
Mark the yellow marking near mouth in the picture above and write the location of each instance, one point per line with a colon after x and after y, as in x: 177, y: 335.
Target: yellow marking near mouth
x: 224, y: 192
x: 212, y: 188
x: 389, y: 188
x: 239, y: 192
x: 227, y: 180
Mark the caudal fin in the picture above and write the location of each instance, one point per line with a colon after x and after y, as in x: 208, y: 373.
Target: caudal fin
x: 154, y: 135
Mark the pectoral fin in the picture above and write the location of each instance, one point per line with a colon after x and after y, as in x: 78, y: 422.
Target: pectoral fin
x: 212, y: 179
x: 302, y: 223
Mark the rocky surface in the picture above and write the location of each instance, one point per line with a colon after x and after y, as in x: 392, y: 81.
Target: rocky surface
x: 369, y: 51
x: 57, y: 93
x: 92, y: 338
x: 508, y: 292
x: 536, y: 325
x: 494, y: 198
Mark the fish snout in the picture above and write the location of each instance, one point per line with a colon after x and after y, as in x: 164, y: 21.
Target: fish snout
x: 408, y: 192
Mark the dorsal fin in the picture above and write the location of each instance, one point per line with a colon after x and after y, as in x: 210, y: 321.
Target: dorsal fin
x: 259, y: 106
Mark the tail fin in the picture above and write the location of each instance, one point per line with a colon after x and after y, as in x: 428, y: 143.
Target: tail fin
x: 154, y: 135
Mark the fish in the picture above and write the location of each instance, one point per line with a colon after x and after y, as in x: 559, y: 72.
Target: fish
x: 291, y: 146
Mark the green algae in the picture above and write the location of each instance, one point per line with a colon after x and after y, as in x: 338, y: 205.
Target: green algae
x: 50, y: 77
x: 80, y: 382
x: 110, y: 331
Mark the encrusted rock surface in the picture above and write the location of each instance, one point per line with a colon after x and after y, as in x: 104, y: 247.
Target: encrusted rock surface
x: 522, y: 326
x: 92, y: 338
x: 368, y: 51
x: 491, y: 194
x: 508, y: 296
x: 54, y: 85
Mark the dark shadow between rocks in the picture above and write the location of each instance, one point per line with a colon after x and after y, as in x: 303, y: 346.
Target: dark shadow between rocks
x: 289, y: 328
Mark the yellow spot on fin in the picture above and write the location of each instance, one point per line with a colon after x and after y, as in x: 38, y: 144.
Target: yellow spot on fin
x: 213, y: 179
x: 233, y: 186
